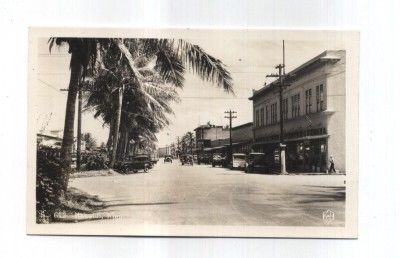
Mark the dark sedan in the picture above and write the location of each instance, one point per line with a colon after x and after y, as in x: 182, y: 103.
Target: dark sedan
x: 257, y: 162
x: 135, y: 164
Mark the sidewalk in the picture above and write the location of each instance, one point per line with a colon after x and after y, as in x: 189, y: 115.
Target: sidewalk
x: 299, y: 172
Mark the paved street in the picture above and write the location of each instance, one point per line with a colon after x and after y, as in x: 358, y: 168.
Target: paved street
x: 200, y: 195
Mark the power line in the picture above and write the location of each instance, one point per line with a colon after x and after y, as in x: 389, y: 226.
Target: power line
x: 49, y: 85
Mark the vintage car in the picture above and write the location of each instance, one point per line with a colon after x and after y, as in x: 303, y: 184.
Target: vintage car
x: 218, y: 159
x: 257, y: 162
x: 135, y: 164
x: 238, y: 161
x: 186, y: 159
x: 168, y: 159
x: 203, y: 158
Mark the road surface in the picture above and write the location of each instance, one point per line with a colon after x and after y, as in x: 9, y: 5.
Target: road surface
x: 173, y: 194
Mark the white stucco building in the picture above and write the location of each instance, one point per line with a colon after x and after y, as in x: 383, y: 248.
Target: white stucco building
x: 314, y: 107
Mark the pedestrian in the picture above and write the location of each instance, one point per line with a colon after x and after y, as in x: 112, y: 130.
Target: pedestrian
x: 332, y: 164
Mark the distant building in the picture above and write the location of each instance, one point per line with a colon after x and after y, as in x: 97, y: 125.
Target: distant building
x: 242, y: 139
x: 54, y: 139
x: 207, y: 133
x: 314, y: 114
x: 48, y: 140
x: 164, y: 151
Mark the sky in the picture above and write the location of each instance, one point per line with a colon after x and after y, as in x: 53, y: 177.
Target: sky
x: 247, y: 61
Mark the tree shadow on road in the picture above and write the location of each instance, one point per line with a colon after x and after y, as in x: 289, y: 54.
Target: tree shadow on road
x: 324, y: 194
x: 137, y: 204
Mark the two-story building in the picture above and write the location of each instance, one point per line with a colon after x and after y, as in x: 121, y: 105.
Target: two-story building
x: 242, y: 139
x: 313, y: 109
x: 207, y: 133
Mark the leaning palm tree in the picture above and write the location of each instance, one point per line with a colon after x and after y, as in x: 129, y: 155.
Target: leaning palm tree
x: 172, y: 58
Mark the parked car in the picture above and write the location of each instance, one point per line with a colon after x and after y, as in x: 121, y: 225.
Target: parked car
x: 203, y: 158
x: 186, y: 159
x: 219, y: 160
x: 238, y: 161
x: 168, y: 159
x: 154, y: 158
x: 257, y: 162
x: 135, y: 164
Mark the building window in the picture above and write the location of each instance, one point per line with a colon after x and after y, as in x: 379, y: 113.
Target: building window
x: 257, y: 119
x: 285, y: 108
x: 308, y: 101
x: 296, y: 105
x: 266, y: 115
x: 274, y: 117
x: 262, y: 116
x: 320, y: 97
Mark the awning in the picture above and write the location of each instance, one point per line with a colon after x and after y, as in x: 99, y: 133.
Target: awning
x: 314, y: 137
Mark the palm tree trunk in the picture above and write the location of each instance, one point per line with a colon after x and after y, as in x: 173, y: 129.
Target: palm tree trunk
x: 110, y: 137
x: 126, y: 144
x: 116, y: 127
x: 68, y: 137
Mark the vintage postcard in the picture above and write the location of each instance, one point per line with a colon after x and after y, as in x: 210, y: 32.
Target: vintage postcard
x: 193, y: 132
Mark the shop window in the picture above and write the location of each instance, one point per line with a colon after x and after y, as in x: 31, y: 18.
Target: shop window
x: 296, y: 105
x: 274, y: 115
x: 257, y: 119
x: 308, y: 101
x: 320, y: 97
x: 262, y: 116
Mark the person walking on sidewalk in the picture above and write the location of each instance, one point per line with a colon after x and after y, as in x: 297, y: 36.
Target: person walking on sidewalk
x: 332, y: 164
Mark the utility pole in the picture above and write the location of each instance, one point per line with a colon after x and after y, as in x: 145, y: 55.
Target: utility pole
x: 230, y: 117
x: 281, y: 76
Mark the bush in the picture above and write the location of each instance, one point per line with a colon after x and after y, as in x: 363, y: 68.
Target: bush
x: 94, y: 161
x: 50, y: 175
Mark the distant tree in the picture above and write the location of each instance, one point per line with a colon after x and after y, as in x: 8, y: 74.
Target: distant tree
x: 89, y: 140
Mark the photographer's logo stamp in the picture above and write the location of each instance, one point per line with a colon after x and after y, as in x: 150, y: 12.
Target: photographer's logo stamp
x: 328, y: 216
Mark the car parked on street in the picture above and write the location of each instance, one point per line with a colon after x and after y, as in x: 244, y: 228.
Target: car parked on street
x: 203, y: 158
x: 257, y: 162
x: 186, y: 159
x: 238, y: 161
x: 135, y: 164
x: 218, y: 159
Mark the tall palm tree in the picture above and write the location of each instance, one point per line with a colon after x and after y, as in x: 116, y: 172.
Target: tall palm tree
x: 82, y: 52
x: 171, y: 59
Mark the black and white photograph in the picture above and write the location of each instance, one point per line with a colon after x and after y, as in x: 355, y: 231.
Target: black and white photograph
x: 185, y: 132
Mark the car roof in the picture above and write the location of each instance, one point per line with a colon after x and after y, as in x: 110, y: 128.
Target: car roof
x: 257, y: 153
x: 239, y: 154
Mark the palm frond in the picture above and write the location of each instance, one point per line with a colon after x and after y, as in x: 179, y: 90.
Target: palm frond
x: 205, y: 65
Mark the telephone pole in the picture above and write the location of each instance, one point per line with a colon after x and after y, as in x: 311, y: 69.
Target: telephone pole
x: 281, y: 77
x: 230, y: 117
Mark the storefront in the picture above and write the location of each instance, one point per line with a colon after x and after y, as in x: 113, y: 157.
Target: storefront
x: 307, y: 153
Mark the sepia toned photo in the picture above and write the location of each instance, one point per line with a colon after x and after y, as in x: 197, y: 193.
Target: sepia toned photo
x: 189, y: 132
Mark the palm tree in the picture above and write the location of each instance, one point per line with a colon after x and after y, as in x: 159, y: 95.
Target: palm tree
x: 82, y: 51
x: 172, y: 57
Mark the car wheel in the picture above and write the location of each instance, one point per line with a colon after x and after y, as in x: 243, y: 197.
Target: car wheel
x: 125, y: 169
